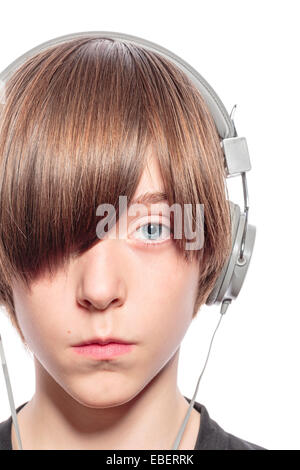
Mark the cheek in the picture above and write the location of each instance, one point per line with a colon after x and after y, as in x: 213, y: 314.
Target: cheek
x: 167, y: 281
x: 39, y: 318
x: 165, y: 296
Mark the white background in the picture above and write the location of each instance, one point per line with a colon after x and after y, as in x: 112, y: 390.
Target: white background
x: 249, y: 52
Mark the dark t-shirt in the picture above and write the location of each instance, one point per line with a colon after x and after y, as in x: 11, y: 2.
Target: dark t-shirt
x: 210, y: 436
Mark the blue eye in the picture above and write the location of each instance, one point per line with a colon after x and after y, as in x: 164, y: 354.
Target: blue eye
x: 153, y: 231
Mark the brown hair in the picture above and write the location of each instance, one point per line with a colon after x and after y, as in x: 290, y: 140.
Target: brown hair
x: 75, y: 127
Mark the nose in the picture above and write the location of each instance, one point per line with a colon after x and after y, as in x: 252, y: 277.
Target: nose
x: 99, y: 302
x: 101, y: 283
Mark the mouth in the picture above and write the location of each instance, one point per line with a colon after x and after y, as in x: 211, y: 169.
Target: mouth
x: 103, y: 348
x: 103, y: 341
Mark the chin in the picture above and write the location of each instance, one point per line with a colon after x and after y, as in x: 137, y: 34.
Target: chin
x: 94, y: 396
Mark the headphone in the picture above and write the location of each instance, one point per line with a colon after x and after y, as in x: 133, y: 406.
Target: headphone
x: 236, y: 162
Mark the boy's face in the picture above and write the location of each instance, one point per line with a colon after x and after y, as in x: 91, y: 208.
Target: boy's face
x: 123, y: 288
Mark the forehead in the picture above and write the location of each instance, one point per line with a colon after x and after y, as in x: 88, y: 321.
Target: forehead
x: 151, y: 179
x: 150, y: 190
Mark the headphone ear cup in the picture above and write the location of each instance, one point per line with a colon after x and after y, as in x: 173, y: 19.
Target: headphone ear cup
x: 234, y: 216
x: 232, y: 276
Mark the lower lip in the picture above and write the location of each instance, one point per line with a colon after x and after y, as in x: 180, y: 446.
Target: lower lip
x: 105, y: 351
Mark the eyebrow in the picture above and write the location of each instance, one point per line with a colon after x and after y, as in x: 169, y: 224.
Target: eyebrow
x: 150, y: 198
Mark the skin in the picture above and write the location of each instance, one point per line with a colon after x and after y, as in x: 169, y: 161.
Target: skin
x: 121, y: 288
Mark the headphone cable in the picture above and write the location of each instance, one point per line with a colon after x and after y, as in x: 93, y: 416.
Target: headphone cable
x: 224, y: 306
